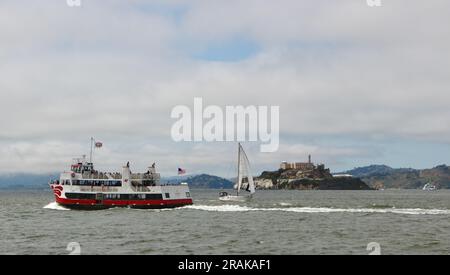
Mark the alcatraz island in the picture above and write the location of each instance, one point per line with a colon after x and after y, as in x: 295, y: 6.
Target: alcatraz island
x: 307, y: 176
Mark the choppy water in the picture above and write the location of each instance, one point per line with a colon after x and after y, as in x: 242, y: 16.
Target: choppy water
x: 275, y: 222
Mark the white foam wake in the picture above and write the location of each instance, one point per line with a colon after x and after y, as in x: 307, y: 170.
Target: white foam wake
x: 238, y: 208
x: 55, y: 206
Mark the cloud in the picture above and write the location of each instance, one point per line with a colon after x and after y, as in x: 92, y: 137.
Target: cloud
x: 115, y: 69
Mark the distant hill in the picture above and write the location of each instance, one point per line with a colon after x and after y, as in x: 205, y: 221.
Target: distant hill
x: 402, y: 178
x: 176, y: 179
x: 25, y: 181
x: 368, y: 171
x: 206, y: 181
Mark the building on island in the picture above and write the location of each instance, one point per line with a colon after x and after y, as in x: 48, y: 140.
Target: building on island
x: 301, y: 166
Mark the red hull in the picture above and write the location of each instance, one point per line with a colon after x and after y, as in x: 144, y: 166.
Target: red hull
x: 143, y: 204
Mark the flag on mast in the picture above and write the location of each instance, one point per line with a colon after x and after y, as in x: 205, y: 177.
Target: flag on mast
x: 97, y: 145
x: 181, y: 171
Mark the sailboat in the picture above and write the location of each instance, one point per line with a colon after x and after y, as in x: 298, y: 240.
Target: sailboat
x: 244, y: 179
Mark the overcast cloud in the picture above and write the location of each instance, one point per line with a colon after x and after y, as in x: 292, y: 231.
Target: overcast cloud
x: 356, y: 85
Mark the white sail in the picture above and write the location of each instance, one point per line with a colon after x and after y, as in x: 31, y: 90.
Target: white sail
x: 244, y: 172
x: 244, y: 179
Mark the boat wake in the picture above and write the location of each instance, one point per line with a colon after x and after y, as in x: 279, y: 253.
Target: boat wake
x: 238, y: 208
x: 55, y: 206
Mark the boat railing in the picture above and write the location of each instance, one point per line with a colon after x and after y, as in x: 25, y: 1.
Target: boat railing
x: 98, y: 189
x: 136, y: 187
x: 102, y: 176
x: 118, y: 176
x: 145, y: 176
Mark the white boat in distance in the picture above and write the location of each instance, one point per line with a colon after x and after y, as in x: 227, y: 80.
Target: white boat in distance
x: 429, y: 187
x: 244, y: 179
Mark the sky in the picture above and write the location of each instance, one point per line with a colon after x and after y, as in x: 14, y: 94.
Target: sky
x: 356, y: 85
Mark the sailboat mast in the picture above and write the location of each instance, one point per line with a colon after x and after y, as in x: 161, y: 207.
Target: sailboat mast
x: 92, y: 144
x: 239, y: 169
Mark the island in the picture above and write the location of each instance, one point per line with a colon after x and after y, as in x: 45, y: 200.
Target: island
x: 308, y: 176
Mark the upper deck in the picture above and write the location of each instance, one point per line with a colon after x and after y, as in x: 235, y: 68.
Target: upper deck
x: 83, y: 172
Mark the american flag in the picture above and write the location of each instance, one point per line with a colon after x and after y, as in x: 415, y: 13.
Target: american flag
x: 181, y: 171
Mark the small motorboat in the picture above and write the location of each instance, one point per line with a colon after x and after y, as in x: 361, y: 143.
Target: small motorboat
x: 429, y: 187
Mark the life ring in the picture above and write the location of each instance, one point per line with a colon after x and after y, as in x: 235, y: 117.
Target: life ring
x: 73, y: 175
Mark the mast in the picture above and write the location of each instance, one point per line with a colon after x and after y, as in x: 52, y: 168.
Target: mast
x: 92, y: 144
x: 239, y: 169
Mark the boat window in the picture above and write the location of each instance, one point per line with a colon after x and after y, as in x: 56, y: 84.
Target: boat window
x: 135, y: 196
x: 167, y: 195
x: 117, y: 183
x: 153, y: 196
x: 132, y: 196
x: 124, y: 196
x: 112, y: 196
x: 80, y: 196
x: 188, y: 195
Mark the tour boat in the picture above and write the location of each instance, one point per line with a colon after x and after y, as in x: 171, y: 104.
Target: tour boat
x: 83, y: 187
